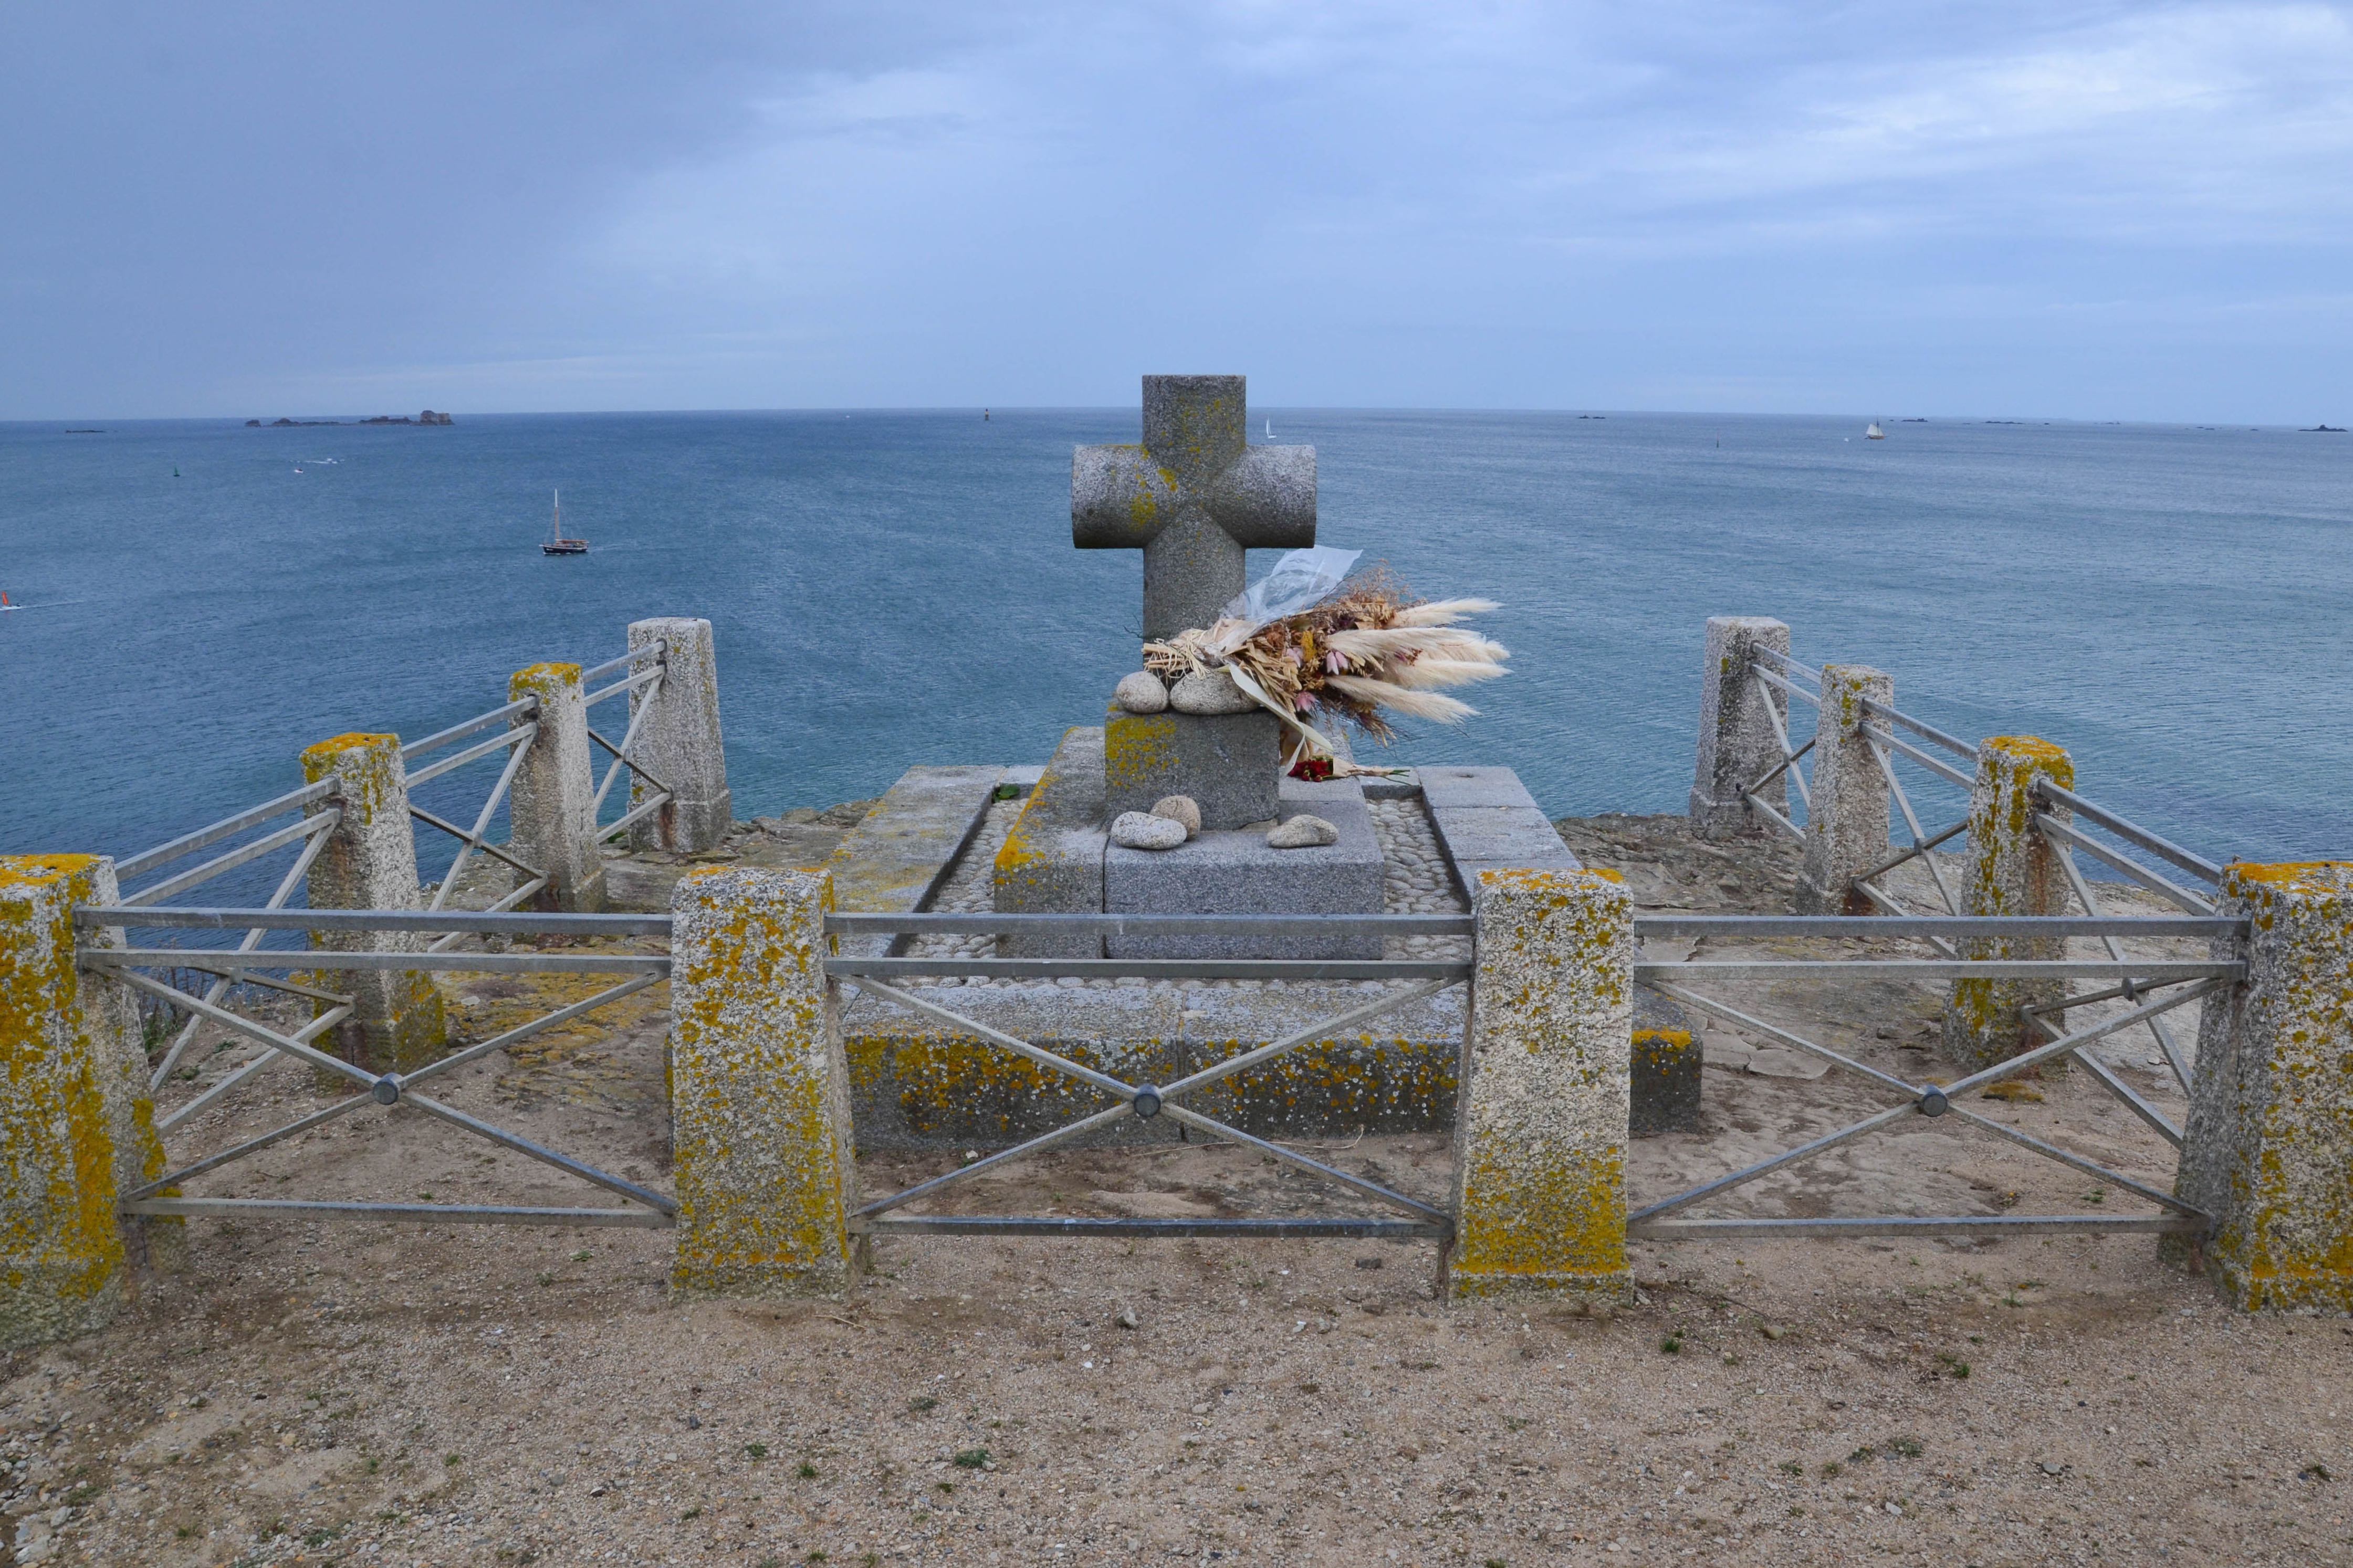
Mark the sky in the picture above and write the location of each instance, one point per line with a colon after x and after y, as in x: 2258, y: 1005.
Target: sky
x: 2068, y: 210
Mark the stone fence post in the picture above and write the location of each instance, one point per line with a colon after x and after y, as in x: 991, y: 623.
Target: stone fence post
x: 1737, y: 743
x: 76, y: 1125
x: 2268, y: 1150
x: 552, y: 802
x: 1846, y: 814
x: 1541, y: 1133
x: 2013, y: 870
x: 759, y: 1089
x: 679, y: 741
x: 369, y: 862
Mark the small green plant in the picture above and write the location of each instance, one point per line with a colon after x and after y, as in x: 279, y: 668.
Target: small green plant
x: 1907, y: 1446
x: 372, y: 1464
x: 1672, y: 1345
x: 1494, y: 1562
x: 689, y: 1514
x: 756, y: 1451
x: 1954, y: 1365
x: 451, y: 1459
x: 972, y: 1460
x: 1791, y: 1467
x: 2096, y: 1195
x: 1833, y: 1468
x: 806, y: 1470
x: 274, y: 1528
x: 815, y: 1556
x: 1862, y: 1456
x: 545, y: 1278
x: 921, y: 1402
x: 1514, y: 1422
x: 185, y: 1531
x: 946, y: 1485
x: 320, y: 1537
x: 583, y: 1256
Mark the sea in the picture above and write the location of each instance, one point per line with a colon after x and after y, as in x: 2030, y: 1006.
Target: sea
x: 202, y: 599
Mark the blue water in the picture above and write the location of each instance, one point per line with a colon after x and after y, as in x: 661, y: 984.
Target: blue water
x: 891, y: 588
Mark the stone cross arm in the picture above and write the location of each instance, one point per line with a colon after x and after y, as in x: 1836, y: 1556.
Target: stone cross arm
x: 1122, y: 500
x: 1193, y: 495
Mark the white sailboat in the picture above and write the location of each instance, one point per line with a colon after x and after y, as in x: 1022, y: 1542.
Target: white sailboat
x: 1871, y: 432
x: 1269, y: 429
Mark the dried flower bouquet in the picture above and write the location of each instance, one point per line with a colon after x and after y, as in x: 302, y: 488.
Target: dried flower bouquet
x: 1367, y: 653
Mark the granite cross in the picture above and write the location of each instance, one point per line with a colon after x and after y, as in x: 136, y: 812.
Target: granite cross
x: 1193, y: 497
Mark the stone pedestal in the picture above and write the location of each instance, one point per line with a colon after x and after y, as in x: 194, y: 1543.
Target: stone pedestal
x: 1737, y: 743
x: 1235, y: 873
x: 1540, y: 1128
x: 76, y: 1126
x: 679, y: 742
x: 397, y: 1023
x: 2013, y: 870
x: 1846, y: 818
x: 1229, y: 763
x: 2268, y: 1149
x: 759, y: 1091
x: 552, y: 803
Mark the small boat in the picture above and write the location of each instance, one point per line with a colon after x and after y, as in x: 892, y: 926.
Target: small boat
x: 1873, y: 433
x: 556, y: 544
x: 4, y: 605
x: 1269, y: 429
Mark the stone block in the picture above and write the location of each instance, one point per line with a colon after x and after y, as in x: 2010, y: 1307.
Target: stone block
x: 1846, y: 816
x: 2268, y: 1149
x: 552, y: 800
x: 896, y: 858
x: 76, y: 1125
x: 1052, y: 860
x: 369, y: 862
x: 1449, y: 788
x: 1664, y: 1086
x: 1540, y: 1137
x: 1235, y: 872
x: 1480, y: 838
x: 1738, y: 742
x: 1231, y: 763
x: 680, y: 742
x: 2012, y: 870
x: 760, y: 1123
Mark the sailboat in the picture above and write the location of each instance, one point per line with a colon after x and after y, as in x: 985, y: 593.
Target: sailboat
x: 1871, y: 432
x: 556, y: 544
x: 1269, y: 429
x: 4, y: 605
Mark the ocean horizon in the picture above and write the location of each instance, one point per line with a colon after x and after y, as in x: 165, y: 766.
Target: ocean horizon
x: 894, y: 586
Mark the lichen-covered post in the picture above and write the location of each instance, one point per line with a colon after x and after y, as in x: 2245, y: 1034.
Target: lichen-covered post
x: 2268, y: 1150
x: 759, y: 1089
x: 679, y: 741
x: 76, y: 1126
x: 552, y: 800
x: 369, y: 862
x: 1846, y: 811
x: 2013, y: 870
x: 1541, y: 1129
x: 1738, y: 742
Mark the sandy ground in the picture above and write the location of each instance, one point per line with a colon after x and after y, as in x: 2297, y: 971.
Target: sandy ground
x: 378, y: 1393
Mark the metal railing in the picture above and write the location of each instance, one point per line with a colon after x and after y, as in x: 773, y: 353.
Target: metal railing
x: 649, y: 681
x: 2136, y: 978
x: 387, y: 1091
x: 1147, y: 1101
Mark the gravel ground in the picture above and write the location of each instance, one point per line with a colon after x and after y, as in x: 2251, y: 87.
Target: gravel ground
x: 378, y: 1393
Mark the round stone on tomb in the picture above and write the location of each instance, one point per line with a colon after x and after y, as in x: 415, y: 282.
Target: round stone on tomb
x: 1302, y: 832
x: 1142, y: 830
x: 1207, y: 692
x: 1180, y: 808
x: 1140, y: 693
